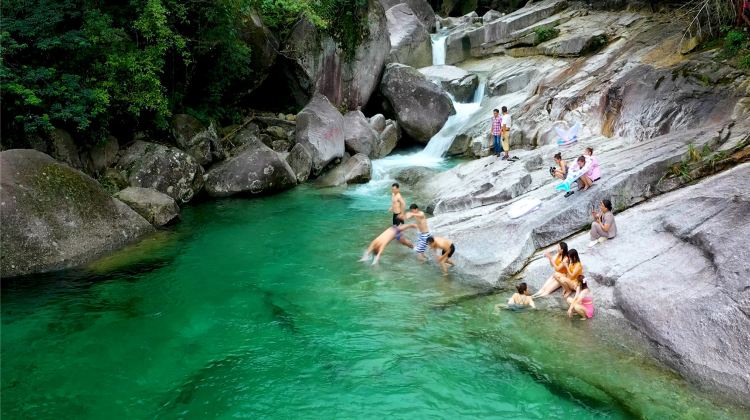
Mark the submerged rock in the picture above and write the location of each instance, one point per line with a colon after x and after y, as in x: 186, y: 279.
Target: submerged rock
x: 421, y: 106
x: 56, y: 217
x: 158, y: 208
x: 255, y: 170
x: 165, y: 169
x: 320, y: 128
x: 355, y: 170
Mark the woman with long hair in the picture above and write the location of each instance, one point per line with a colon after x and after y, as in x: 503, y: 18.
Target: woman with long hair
x: 557, y: 264
x: 582, y: 303
x: 568, y: 279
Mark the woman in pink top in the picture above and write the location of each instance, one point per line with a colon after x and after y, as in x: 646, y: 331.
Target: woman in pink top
x: 594, y: 172
x: 582, y: 303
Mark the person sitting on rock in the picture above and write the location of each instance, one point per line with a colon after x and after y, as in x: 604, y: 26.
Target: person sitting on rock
x: 557, y: 264
x: 582, y: 302
x: 584, y: 182
x: 561, y: 171
x: 436, y: 242
x: 604, y: 226
x: 594, y: 172
x: 573, y: 269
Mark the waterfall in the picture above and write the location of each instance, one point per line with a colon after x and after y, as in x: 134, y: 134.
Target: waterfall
x: 438, y: 49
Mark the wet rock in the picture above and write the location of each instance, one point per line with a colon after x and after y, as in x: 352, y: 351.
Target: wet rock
x: 300, y: 160
x: 320, y: 128
x: 254, y: 171
x: 358, y: 135
x: 355, y: 170
x: 56, y: 217
x: 421, y: 106
x: 199, y: 142
x: 387, y: 140
x: 458, y: 82
x: 409, y: 39
x: 460, y: 146
x: 165, y: 169
x: 159, y: 209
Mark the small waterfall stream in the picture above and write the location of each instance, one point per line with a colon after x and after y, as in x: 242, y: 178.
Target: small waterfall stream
x: 438, y: 49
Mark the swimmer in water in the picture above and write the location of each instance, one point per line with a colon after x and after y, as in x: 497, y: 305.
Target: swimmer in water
x: 377, y: 246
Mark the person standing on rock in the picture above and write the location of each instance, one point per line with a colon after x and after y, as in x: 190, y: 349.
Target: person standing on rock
x: 604, y: 226
x: 424, y: 231
x: 436, y: 242
x: 496, y: 131
x: 506, y: 121
x: 398, y: 205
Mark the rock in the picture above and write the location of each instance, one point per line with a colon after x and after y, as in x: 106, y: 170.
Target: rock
x: 165, y: 169
x: 358, y: 135
x: 276, y: 132
x: 355, y: 170
x: 458, y: 82
x: 464, y: 43
x: 509, y: 80
x: 421, y: 8
x: 415, y: 175
x: 199, y: 142
x: 281, y: 146
x: 64, y: 149
x: 460, y: 146
x: 501, y: 30
x: 159, y: 209
x: 377, y: 122
x: 409, y: 39
x: 421, y: 106
x: 104, y: 154
x: 388, y: 139
x: 56, y: 217
x: 255, y: 170
x: 300, y: 161
x: 263, y: 47
x: 113, y: 180
x: 575, y: 45
x: 314, y: 63
x: 490, y: 16
x: 320, y: 128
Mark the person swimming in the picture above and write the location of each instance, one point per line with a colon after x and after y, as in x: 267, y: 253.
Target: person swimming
x: 377, y: 246
x: 519, y: 300
x: 582, y: 302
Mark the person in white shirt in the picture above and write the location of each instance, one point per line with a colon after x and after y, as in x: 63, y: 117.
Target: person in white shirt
x: 506, y: 132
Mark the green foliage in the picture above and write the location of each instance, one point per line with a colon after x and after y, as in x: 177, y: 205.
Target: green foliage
x: 734, y: 41
x: 736, y: 48
x: 545, y: 33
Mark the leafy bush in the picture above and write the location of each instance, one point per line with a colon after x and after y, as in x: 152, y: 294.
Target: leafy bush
x: 545, y: 33
x: 734, y: 41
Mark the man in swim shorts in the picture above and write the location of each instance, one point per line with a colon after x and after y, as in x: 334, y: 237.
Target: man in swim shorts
x: 436, y: 242
x: 377, y: 246
x: 398, y: 205
x: 424, y: 231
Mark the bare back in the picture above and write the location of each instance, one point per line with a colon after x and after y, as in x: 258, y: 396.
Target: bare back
x: 443, y: 243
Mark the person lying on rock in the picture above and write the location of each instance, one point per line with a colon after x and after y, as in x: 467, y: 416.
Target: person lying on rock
x: 583, y: 164
x: 594, y: 172
x: 557, y: 265
x: 604, y: 226
x: 435, y: 243
x: 424, y: 231
x: 398, y: 206
x: 377, y: 246
x: 561, y: 172
x: 582, y: 302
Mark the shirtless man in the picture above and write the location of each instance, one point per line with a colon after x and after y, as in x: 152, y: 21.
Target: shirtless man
x: 436, y: 242
x: 398, y: 205
x: 424, y: 231
x: 377, y: 246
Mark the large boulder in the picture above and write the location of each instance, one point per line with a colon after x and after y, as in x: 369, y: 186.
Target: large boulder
x: 421, y: 8
x: 165, y: 169
x: 314, y: 62
x: 196, y: 140
x: 355, y: 170
x: 509, y: 80
x: 358, y: 135
x: 458, y: 82
x: 158, y: 208
x: 300, y: 160
x: 506, y: 28
x: 421, y: 107
x: 263, y: 45
x: 320, y: 128
x: 254, y: 171
x: 575, y: 45
x: 387, y: 140
x: 104, y: 154
x: 377, y: 122
x: 63, y: 148
x: 409, y: 39
x: 56, y: 217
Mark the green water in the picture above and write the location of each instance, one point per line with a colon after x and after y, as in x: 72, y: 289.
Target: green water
x: 260, y: 309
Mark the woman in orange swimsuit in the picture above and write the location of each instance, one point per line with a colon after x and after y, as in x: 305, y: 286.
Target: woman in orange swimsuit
x: 582, y: 303
x: 557, y: 264
x: 573, y: 270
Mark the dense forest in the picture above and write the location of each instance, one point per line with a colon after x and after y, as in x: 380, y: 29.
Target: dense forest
x: 96, y: 67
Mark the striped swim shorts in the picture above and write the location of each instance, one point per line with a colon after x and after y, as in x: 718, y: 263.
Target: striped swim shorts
x: 421, y: 244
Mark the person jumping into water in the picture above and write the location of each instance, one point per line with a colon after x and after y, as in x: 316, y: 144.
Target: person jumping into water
x: 377, y: 246
x: 424, y: 231
x: 436, y: 242
x: 398, y: 205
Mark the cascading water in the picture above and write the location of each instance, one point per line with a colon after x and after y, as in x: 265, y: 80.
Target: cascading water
x: 438, y: 49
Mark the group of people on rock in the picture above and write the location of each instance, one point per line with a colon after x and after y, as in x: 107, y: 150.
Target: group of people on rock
x: 424, y: 238
x: 586, y: 162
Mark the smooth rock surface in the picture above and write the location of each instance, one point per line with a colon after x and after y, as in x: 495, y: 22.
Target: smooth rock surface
x: 355, y: 170
x: 387, y: 140
x: 421, y: 106
x: 421, y: 8
x: 456, y: 81
x: 300, y: 160
x: 409, y: 39
x: 165, y: 169
x: 320, y: 128
x: 158, y: 208
x: 56, y: 217
x: 359, y: 137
